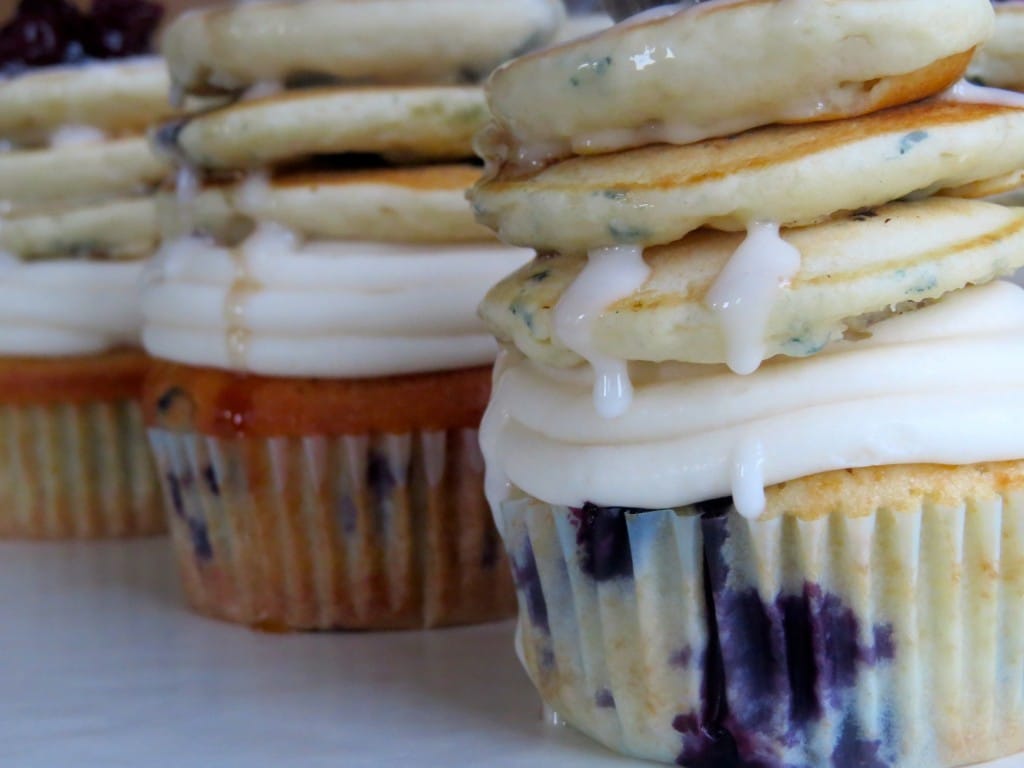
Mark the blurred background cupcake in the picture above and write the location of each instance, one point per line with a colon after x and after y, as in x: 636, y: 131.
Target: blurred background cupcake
x: 322, y: 370
x: 77, y: 220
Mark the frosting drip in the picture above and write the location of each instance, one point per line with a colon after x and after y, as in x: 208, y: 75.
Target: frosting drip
x: 275, y: 306
x: 610, y: 274
x: 938, y: 385
x: 743, y: 295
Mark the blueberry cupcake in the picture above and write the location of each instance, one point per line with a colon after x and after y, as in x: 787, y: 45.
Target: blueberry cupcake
x: 321, y: 369
x: 751, y: 445
x: 77, y: 218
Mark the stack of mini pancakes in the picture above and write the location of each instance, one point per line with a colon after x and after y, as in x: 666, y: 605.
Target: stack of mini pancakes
x: 77, y: 219
x: 1000, y: 63
x: 789, y: 531
x: 324, y: 369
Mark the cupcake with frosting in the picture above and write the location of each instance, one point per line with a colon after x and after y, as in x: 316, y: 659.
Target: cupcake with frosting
x: 321, y: 372
x: 752, y: 445
x: 77, y: 219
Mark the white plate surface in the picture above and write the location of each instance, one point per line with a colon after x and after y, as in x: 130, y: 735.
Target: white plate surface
x: 101, y: 668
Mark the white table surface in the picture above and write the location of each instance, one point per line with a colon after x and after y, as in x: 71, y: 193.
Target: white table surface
x: 100, y: 667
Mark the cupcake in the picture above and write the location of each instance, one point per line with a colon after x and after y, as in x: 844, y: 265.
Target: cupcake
x: 752, y: 445
x: 321, y: 372
x: 77, y: 219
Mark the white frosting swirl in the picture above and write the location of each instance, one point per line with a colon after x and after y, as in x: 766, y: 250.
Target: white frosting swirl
x: 276, y: 307
x: 55, y: 308
x: 939, y: 385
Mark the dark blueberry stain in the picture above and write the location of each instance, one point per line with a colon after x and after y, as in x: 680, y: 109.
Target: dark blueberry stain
x: 798, y: 624
x: 168, y: 399
x: 490, y: 549
x: 714, y: 508
x: 348, y: 515
x: 602, y: 539
x: 854, y: 752
x: 200, y: 537
x: 682, y: 658
x: 624, y: 233
x: 540, y: 277
x: 911, y: 140
x: 527, y: 578
x: 772, y: 669
x: 864, y: 214
x: 604, y: 699
x: 210, y: 478
x: 174, y: 491
x: 379, y: 476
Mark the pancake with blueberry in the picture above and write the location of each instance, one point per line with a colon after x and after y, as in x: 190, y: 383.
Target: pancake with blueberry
x: 231, y: 48
x: 402, y: 124
x: 417, y: 204
x: 661, y: 76
x: 785, y: 174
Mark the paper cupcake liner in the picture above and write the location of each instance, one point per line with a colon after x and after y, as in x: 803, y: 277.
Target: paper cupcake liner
x: 349, y: 532
x: 71, y: 470
x: 699, y: 638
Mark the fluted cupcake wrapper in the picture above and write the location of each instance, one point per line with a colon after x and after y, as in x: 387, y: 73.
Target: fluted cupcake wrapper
x: 76, y: 470
x: 700, y: 638
x: 352, y: 532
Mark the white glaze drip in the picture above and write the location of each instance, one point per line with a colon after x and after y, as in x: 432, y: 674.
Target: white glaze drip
x: 254, y: 194
x: 748, y: 478
x: 969, y: 93
x: 186, y: 191
x: 744, y: 293
x: 611, y: 274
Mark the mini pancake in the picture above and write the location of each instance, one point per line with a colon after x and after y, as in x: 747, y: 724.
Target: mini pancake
x: 1000, y: 62
x: 792, y: 175
x: 422, y: 123
x: 118, y: 97
x: 583, y: 25
x: 80, y: 172
x: 401, y: 205
x: 388, y: 41
x: 852, y: 268
x: 115, y: 229
x: 725, y: 66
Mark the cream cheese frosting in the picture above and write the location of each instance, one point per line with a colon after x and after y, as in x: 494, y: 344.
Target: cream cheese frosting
x: 938, y: 385
x: 56, y: 308
x: 277, y: 306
